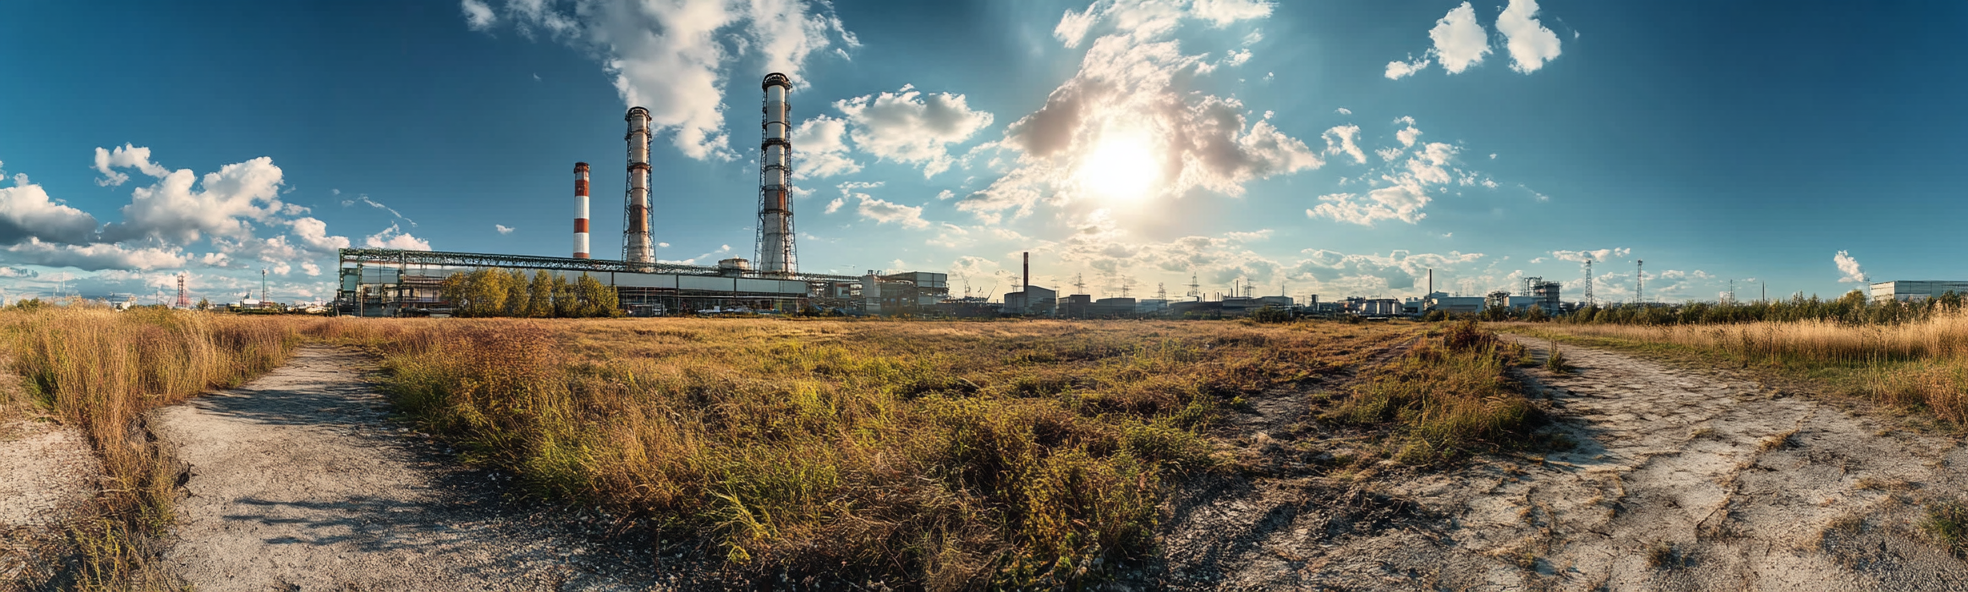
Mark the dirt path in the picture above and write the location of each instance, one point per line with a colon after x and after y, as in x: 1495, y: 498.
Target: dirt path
x: 1681, y: 480
x: 298, y: 483
x: 47, y: 474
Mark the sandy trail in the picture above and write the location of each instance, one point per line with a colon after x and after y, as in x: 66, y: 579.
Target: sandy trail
x: 298, y: 483
x: 1682, y: 480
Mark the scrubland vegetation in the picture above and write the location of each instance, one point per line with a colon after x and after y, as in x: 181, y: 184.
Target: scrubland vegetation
x: 1451, y: 395
x: 948, y: 454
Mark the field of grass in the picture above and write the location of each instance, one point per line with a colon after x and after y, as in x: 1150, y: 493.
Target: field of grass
x: 1919, y: 366
x: 949, y: 453
x: 941, y: 454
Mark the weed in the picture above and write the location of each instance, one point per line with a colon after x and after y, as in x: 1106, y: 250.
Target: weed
x: 1556, y: 361
x: 1662, y: 554
x: 1948, y: 523
x: 1448, y: 396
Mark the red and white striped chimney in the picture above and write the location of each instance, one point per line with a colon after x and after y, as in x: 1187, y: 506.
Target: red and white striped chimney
x: 580, y: 210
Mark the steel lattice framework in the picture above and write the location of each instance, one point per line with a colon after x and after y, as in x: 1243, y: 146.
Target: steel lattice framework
x: 397, y: 257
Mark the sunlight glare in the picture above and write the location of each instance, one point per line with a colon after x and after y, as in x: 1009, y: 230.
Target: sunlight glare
x: 1122, y: 167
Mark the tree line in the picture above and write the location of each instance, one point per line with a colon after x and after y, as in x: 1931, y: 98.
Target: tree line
x: 493, y: 292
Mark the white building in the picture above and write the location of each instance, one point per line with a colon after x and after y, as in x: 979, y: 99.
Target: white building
x: 1916, y: 290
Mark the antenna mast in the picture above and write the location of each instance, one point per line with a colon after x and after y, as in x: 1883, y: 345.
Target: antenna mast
x: 1639, y: 280
x: 1588, y: 281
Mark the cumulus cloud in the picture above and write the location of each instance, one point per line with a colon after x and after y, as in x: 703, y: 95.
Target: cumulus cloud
x: 1592, y: 255
x: 502, y: 229
x: 314, y: 235
x: 26, y: 212
x: 1398, y: 69
x: 884, y: 212
x: 125, y: 156
x: 911, y: 127
x: 1343, y: 140
x: 93, y: 257
x: 1130, y: 95
x: 835, y: 206
x: 1403, y: 183
x: 1368, y: 273
x: 1459, y: 41
x: 395, y: 238
x: 1343, y: 111
x: 675, y: 57
x: 1848, y: 269
x: 822, y: 148
x: 1529, y: 42
x: 181, y: 207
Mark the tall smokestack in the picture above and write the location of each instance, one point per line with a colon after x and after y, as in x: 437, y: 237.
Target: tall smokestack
x: 635, y: 225
x: 776, y: 253
x: 580, y: 210
x: 1028, y: 269
x: 1431, y: 281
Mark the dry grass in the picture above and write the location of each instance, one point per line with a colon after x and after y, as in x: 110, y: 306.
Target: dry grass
x: 953, y: 454
x: 1921, y: 366
x: 99, y: 371
x: 1451, y: 396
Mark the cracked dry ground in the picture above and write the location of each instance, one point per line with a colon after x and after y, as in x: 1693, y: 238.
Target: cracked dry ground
x: 1681, y: 480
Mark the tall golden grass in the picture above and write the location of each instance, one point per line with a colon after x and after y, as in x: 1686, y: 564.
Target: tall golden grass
x: 1920, y: 365
x: 99, y: 371
x: 947, y: 453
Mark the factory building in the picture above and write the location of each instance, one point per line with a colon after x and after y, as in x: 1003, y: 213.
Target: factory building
x: 1033, y: 301
x: 389, y: 282
x: 1916, y: 290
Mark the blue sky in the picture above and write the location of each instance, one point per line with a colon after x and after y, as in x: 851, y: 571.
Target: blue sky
x: 1314, y: 147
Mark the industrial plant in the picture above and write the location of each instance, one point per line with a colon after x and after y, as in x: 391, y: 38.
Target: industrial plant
x: 391, y: 282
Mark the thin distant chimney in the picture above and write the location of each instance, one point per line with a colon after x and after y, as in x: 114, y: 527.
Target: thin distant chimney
x: 1028, y: 270
x: 1431, y: 280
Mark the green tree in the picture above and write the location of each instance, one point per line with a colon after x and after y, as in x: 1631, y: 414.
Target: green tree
x: 204, y: 304
x: 518, y: 295
x: 540, y: 295
x: 597, y: 300
x: 565, y: 303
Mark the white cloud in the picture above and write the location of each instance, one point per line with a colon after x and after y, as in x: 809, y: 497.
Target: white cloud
x: 1131, y: 95
x: 182, y: 207
x: 1402, y: 187
x: 884, y: 212
x: 1389, y: 153
x: 911, y: 127
x: 674, y: 57
x: 822, y: 149
x: 1237, y: 58
x: 1459, y: 41
x: 1848, y: 269
x: 1594, y: 255
x: 478, y: 16
x: 1343, y: 140
x: 1402, y: 202
x: 1529, y: 42
x: 394, y: 238
x: 125, y: 156
x: 945, y: 195
x: 502, y: 229
x: 26, y: 212
x: 1398, y: 69
x: 93, y: 257
x: 1343, y: 111
x: 310, y: 268
x: 835, y: 206
x: 314, y: 234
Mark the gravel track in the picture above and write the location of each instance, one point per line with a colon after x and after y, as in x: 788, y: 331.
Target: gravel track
x: 299, y: 482
x: 47, y: 475
x: 1681, y: 480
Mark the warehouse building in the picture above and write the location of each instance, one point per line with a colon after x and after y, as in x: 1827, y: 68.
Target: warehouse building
x: 1916, y: 290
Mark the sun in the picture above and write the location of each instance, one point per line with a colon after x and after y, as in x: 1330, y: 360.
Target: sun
x: 1121, y: 167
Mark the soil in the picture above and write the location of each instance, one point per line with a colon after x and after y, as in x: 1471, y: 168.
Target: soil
x: 299, y: 480
x: 1681, y: 479
x: 47, y: 475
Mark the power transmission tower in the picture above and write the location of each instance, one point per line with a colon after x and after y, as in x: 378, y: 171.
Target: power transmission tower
x: 1639, y: 280
x: 1079, y: 284
x: 1195, y: 289
x: 1127, y: 284
x: 184, y: 297
x: 1161, y: 291
x: 1732, y: 291
x: 1588, y: 281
